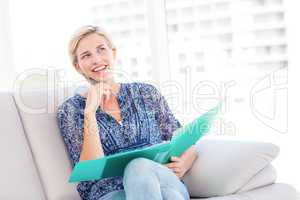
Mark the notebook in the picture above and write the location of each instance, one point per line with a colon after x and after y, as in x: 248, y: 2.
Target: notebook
x: 114, y: 165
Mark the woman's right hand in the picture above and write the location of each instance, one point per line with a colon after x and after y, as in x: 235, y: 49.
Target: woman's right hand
x: 96, y: 96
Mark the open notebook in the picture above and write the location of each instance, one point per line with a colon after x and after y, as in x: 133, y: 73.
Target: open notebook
x: 114, y: 165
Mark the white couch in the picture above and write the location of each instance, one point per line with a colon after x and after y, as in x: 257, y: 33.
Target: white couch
x: 35, y: 164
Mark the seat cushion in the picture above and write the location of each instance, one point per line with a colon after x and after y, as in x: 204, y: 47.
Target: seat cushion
x: 266, y: 176
x: 223, y: 167
x: 276, y: 191
x: 19, y: 175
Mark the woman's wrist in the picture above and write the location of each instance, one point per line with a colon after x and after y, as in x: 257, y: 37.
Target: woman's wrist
x: 89, y: 112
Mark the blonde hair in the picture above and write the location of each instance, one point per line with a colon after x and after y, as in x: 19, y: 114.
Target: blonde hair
x: 82, y: 33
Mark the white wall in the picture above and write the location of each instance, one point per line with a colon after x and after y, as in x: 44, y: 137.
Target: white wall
x: 43, y: 33
x: 6, y: 67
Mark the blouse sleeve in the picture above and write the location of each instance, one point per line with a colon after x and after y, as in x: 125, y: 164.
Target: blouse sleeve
x: 71, y: 129
x: 164, y: 116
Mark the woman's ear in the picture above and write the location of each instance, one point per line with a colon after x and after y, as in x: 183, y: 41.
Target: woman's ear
x: 114, y: 50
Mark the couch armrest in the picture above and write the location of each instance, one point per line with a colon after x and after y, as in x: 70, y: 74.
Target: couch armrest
x: 224, y: 167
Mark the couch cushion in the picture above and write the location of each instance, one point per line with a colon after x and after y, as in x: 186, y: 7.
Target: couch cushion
x: 19, y: 176
x: 38, y: 113
x: 276, y: 191
x: 266, y: 176
x: 223, y: 167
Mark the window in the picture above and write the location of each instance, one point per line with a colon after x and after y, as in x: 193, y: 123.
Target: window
x: 127, y: 21
x: 224, y: 41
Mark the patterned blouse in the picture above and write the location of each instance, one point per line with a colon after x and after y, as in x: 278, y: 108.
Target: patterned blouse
x: 146, y: 120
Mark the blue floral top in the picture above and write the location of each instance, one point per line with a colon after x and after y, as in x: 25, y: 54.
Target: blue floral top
x: 146, y: 120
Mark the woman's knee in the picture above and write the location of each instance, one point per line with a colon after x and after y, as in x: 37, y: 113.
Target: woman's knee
x: 139, y: 168
x: 138, y: 164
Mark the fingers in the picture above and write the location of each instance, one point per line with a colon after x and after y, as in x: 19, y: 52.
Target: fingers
x: 175, y: 159
x: 98, y: 94
x: 176, y: 170
x: 179, y: 175
x: 170, y: 165
x: 103, y: 92
x: 175, y: 162
x: 106, y: 95
x: 175, y: 166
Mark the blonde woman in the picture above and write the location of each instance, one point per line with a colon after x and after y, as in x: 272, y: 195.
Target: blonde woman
x: 113, y: 117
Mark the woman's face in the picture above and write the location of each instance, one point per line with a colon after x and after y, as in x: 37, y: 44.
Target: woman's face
x: 95, y: 58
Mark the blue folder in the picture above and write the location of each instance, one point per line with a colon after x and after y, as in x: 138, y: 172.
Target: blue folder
x: 114, y: 165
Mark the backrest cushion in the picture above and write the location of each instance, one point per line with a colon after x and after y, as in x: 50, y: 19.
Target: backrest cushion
x: 38, y: 113
x: 19, y: 176
x: 223, y: 166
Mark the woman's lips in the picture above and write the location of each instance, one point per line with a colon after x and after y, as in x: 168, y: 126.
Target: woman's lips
x: 100, y: 71
x: 100, y: 68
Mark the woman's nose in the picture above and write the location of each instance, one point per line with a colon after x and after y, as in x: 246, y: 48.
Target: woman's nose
x: 97, y: 59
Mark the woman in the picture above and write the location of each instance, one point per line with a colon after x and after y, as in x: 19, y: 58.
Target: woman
x: 114, y: 117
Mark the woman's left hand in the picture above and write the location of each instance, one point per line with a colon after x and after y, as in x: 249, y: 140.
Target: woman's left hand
x: 180, y: 165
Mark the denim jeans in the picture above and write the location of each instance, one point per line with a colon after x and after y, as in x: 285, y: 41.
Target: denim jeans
x: 147, y: 180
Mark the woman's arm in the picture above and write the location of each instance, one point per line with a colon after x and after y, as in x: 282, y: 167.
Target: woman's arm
x: 91, y: 147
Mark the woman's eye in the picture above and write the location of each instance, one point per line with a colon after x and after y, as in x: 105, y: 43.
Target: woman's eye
x: 101, y: 49
x: 85, y: 56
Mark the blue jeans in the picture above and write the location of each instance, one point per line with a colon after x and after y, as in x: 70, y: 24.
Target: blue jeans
x: 147, y: 180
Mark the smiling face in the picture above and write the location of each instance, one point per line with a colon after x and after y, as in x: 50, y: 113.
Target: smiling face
x: 95, y: 58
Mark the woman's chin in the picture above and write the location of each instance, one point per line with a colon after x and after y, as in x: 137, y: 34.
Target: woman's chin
x: 102, y: 79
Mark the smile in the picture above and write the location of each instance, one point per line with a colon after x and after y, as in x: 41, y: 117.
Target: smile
x: 99, y: 68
